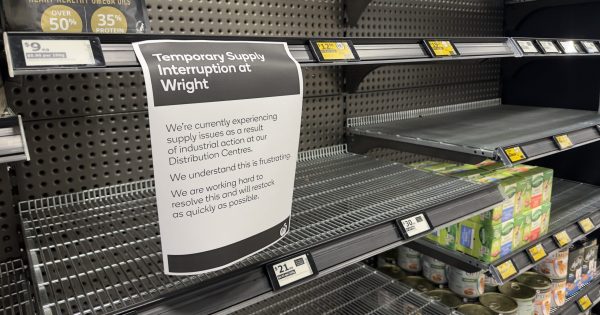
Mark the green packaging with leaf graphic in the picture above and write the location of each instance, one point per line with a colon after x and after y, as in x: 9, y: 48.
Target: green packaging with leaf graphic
x: 522, y: 230
x: 436, y: 168
x: 540, y: 219
x: 486, y: 242
x: 546, y: 209
x: 540, y: 180
x: 445, y: 237
x: 512, y: 188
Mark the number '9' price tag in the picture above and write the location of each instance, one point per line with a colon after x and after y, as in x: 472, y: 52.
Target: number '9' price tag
x: 291, y: 270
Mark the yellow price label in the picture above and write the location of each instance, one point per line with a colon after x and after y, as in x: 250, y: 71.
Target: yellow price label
x: 442, y: 48
x: 507, y: 269
x: 537, y: 252
x: 333, y: 50
x: 563, y: 142
x: 586, y: 225
x: 562, y: 238
x: 515, y: 154
x: 584, y: 302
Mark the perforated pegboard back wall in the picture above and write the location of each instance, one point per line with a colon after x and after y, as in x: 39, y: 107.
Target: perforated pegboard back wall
x: 9, y: 241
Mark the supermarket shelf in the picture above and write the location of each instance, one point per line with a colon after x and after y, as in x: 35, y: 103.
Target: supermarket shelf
x: 119, y: 55
x: 15, y: 289
x: 354, y: 290
x: 571, y: 203
x: 592, y: 290
x: 475, y: 131
x: 580, y: 49
x: 99, y: 250
x: 13, y: 145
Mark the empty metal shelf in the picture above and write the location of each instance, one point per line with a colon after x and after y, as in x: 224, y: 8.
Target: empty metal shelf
x: 354, y: 290
x: 475, y: 131
x: 99, y: 250
x: 15, y: 289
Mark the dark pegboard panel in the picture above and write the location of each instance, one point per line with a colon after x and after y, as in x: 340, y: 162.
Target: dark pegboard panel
x: 289, y: 18
x: 430, y: 18
x: 409, y: 76
x: 9, y: 223
x: 371, y: 103
x: 399, y: 156
x: 322, y: 81
x: 322, y: 122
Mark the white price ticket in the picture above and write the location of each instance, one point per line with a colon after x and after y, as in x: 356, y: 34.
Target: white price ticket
x: 57, y: 52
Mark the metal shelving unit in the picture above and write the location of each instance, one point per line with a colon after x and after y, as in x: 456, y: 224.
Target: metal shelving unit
x: 571, y: 203
x: 354, y: 290
x: 15, y: 289
x: 99, y: 250
x: 475, y: 131
x: 591, y: 290
x: 13, y: 144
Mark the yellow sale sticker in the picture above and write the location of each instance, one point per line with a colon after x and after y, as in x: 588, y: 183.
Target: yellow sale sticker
x: 586, y: 225
x: 537, y: 252
x: 333, y: 50
x: 442, y: 48
x: 584, y: 302
x: 515, y: 154
x: 562, y: 238
x: 563, y: 142
x: 507, y: 269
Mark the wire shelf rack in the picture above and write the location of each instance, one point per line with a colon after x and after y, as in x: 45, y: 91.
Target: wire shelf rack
x: 15, y: 289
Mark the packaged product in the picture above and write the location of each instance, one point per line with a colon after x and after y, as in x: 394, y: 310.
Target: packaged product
x: 559, y: 292
x: 522, y: 231
x: 511, y: 187
x: 445, y: 297
x: 546, y: 208
x: 436, y: 168
x: 486, y: 242
x: 465, y: 284
x: 541, y: 183
x: 409, y: 260
x: 541, y: 284
x: 574, y: 269
x: 434, y: 270
x: 590, y: 257
x: 387, y: 258
x: 522, y: 294
x: 555, y: 266
x: 458, y: 169
x: 499, y: 303
x: 540, y: 218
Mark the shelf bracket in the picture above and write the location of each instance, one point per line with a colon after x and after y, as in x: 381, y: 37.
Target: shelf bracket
x: 354, y: 10
x: 355, y: 74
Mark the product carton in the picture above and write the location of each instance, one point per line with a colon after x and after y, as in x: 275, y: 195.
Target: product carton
x: 511, y: 187
x: 458, y: 169
x: 437, y: 168
x: 522, y: 230
x: 574, y: 269
x: 445, y: 237
x: 590, y: 257
x: 490, y: 165
x: 467, y: 237
x: 546, y: 209
x: 485, y: 242
x: 540, y: 219
x: 540, y: 179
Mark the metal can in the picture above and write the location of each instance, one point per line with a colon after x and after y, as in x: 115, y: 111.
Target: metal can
x: 499, y: 303
x: 555, y: 266
x: 409, y: 260
x: 434, y: 270
x: 541, y: 284
x: 445, y: 297
x: 491, y: 285
x: 558, y: 290
x: 419, y: 283
x: 393, y: 271
x: 465, y: 284
x: 474, y: 309
x: 522, y: 294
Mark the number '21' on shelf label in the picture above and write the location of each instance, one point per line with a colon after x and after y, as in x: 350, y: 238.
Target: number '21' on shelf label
x: 291, y: 270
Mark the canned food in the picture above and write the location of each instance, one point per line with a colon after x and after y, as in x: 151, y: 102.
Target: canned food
x: 445, y: 297
x: 408, y: 259
x: 499, y: 303
x: 387, y: 258
x: 522, y: 294
x: 434, y: 270
x: 558, y: 290
x: 465, y: 284
x: 491, y: 285
x: 555, y: 266
x: 474, y: 309
x: 419, y: 283
x: 541, y: 284
x: 393, y: 271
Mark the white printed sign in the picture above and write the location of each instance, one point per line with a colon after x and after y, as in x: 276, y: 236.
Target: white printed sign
x: 292, y: 270
x: 415, y: 225
x: 225, y: 124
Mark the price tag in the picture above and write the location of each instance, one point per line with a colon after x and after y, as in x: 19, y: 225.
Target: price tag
x: 334, y: 50
x: 507, y: 269
x: 528, y: 47
x: 569, y: 46
x: 515, y: 154
x: 549, y: 47
x: 590, y: 47
x: 291, y: 270
x: 584, y: 303
x: 563, y: 142
x: 414, y: 226
x: 536, y: 253
x: 441, y: 48
x: 586, y: 225
x: 57, y: 52
x: 562, y: 238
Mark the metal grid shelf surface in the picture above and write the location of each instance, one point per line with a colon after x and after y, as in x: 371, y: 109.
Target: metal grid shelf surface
x: 474, y: 134
x: 592, y: 290
x: 571, y: 202
x: 15, y: 289
x: 353, y: 290
x: 99, y: 250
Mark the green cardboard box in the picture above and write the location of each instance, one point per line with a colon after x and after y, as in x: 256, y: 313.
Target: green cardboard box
x: 540, y: 220
x: 546, y: 209
x: 540, y: 179
x: 521, y: 232
x: 511, y: 187
x: 488, y: 243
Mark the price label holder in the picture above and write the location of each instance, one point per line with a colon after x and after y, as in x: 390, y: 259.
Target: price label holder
x: 506, y: 270
x: 331, y: 50
x: 586, y: 225
x: 584, y: 303
x: 515, y: 154
x: 536, y: 253
x: 570, y: 47
x: 527, y: 46
x: 441, y: 48
x: 590, y: 47
x: 548, y: 46
x: 563, y: 142
x: 291, y: 270
x: 414, y: 225
x: 27, y: 52
x: 561, y: 239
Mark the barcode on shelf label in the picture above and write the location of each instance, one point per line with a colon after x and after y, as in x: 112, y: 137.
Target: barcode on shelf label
x: 441, y: 48
x: 334, y: 50
x: 527, y: 46
x: 590, y: 47
x: 414, y: 226
x: 506, y: 269
x: 515, y: 154
x: 562, y: 238
x: 569, y: 46
x: 586, y: 225
x: 536, y: 253
x: 291, y: 270
x: 584, y: 303
x: 549, y: 47
x: 43, y: 52
x: 563, y: 142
